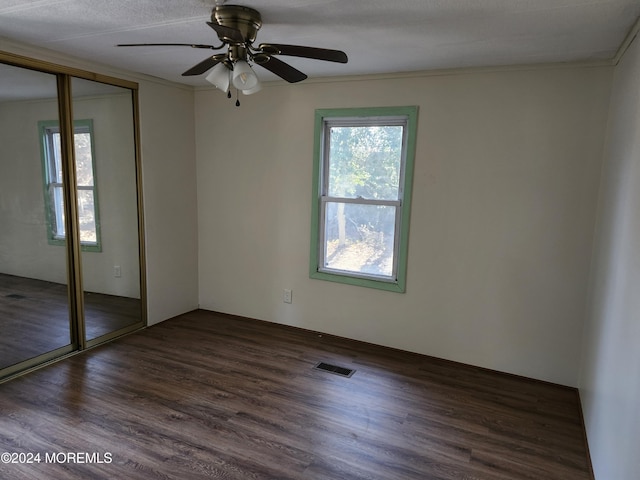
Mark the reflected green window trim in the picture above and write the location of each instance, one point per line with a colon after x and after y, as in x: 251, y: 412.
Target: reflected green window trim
x: 86, y: 124
x: 398, y: 284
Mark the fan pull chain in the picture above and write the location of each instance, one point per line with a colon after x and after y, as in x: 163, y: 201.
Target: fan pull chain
x: 228, y: 93
x: 237, y: 99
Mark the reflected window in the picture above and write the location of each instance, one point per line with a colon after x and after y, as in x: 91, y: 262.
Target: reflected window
x: 86, y: 184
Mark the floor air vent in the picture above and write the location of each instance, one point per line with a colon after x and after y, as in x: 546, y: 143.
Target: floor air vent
x: 343, y: 372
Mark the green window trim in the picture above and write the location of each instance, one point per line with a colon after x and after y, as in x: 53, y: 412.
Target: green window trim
x: 397, y: 282
x: 53, y: 209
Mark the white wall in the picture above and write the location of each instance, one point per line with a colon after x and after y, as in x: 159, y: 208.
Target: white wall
x: 24, y: 249
x: 169, y: 175
x: 168, y: 171
x: 610, y: 380
x: 504, y: 201
x: 114, y: 143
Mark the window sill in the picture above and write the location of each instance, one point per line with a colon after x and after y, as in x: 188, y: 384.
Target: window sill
x: 387, y: 285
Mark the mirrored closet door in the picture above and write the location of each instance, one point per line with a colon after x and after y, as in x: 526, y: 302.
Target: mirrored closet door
x: 34, y: 291
x: 71, y: 249
x: 105, y: 156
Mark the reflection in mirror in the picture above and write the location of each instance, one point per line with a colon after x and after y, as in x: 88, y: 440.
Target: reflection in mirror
x: 105, y: 155
x: 34, y: 299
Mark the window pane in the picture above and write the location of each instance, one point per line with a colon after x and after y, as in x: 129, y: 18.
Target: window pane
x: 84, y: 169
x: 56, y: 175
x: 365, y: 162
x: 58, y: 207
x: 359, y: 238
x: 86, y: 215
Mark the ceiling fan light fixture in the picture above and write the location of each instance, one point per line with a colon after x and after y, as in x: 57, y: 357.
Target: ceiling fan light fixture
x: 219, y: 77
x: 244, y: 77
x: 236, y: 27
x: 253, y: 90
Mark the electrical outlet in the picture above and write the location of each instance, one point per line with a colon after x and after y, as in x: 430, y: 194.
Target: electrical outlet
x: 287, y: 297
x: 117, y: 271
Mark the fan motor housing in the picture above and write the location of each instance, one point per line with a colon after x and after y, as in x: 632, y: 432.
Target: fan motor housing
x: 245, y: 19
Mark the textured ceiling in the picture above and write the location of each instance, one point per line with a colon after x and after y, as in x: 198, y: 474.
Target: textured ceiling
x: 379, y: 36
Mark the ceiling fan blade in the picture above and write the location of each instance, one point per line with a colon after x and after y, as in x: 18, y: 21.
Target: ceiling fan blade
x: 306, y: 52
x: 230, y: 34
x: 192, y: 45
x: 205, y: 65
x: 283, y: 70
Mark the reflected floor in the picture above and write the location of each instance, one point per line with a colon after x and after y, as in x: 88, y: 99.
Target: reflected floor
x: 34, y: 317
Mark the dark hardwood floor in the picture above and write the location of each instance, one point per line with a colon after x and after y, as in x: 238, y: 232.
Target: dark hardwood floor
x: 34, y: 317
x: 206, y: 395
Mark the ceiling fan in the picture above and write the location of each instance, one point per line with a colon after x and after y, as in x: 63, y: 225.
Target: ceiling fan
x: 237, y: 27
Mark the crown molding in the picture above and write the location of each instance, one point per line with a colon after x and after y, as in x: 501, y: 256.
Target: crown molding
x: 626, y: 43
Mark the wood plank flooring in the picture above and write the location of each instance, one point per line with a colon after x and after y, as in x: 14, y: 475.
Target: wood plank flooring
x: 207, y: 395
x: 34, y: 317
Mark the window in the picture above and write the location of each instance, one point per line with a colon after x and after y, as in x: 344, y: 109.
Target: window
x: 363, y: 167
x: 85, y: 179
